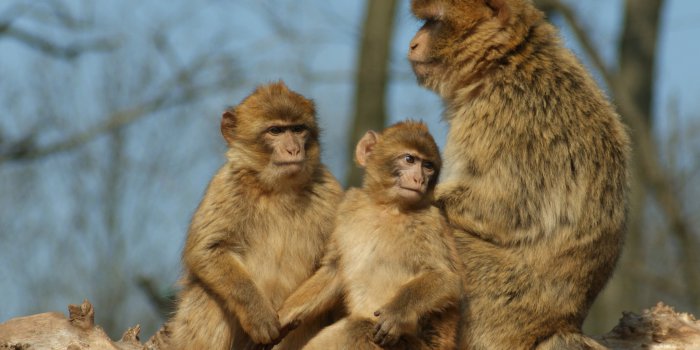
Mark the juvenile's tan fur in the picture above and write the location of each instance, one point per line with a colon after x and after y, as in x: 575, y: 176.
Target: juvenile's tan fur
x: 257, y: 234
x: 535, y: 176
x: 398, y: 260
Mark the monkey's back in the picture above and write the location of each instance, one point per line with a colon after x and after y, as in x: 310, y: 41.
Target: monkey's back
x: 535, y: 182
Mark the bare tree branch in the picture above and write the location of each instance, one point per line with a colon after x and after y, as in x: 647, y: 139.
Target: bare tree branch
x: 181, y: 91
x: 68, y: 52
x: 41, y: 43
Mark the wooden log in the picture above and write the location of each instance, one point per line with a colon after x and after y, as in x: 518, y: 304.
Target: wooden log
x: 53, y: 330
x: 657, y: 328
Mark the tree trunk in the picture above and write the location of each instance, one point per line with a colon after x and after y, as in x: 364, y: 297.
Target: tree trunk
x: 371, y: 78
x: 637, y: 60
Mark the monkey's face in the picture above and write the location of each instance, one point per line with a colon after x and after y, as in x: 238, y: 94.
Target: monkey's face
x: 402, y: 164
x: 434, y: 47
x: 288, y: 152
x: 286, y: 145
x: 413, y: 174
x: 273, y: 132
x: 458, y: 37
x: 424, y: 63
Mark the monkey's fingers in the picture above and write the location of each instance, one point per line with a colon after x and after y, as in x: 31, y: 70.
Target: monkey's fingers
x: 289, y: 317
x: 273, y: 333
x: 258, y: 347
x: 390, y: 340
x: 286, y: 328
x: 381, y: 331
x: 282, y: 334
x: 266, y: 332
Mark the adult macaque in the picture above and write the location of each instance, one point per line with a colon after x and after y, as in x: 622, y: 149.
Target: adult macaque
x: 535, y: 176
x: 391, y: 259
x: 260, y: 229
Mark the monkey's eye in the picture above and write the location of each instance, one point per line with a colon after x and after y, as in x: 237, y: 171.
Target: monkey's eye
x: 297, y: 129
x: 274, y: 130
x: 430, y: 22
x: 409, y: 158
x: 428, y: 165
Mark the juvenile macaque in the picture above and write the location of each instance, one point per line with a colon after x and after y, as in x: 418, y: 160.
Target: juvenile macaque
x: 260, y: 229
x: 535, y: 176
x: 392, y: 259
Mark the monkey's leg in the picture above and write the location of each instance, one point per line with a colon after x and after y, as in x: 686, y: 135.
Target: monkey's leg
x: 441, y: 332
x: 346, y: 334
x: 301, y: 335
x: 200, y: 323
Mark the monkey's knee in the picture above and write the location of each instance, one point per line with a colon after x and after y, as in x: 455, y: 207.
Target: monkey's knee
x: 346, y: 334
x: 199, y: 323
x: 440, y: 332
x: 327, y: 338
x: 570, y: 341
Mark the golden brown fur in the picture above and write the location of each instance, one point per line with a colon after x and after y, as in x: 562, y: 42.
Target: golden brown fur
x: 391, y: 259
x: 260, y: 229
x: 535, y: 175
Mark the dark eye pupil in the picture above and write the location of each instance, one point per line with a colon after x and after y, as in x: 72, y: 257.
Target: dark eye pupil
x: 428, y: 165
x: 275, y: 130
x: 409, y: 158
x: 298, y: 128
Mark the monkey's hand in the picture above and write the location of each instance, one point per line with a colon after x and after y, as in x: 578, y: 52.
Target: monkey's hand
x: 283, y: 333
x: 391, y: 324
x: 262, y: 324
x: 290, y: 317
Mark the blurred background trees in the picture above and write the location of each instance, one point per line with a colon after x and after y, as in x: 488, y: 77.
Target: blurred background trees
x: 109, y: 115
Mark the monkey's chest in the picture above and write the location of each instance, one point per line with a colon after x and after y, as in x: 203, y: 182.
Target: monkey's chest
x: 282, y: 255
x: 373, y: 270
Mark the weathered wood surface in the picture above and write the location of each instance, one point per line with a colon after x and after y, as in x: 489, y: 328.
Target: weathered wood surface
x: 52, y: 330
x: 659, y: 328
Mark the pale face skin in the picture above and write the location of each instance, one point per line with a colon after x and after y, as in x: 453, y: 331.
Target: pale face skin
x: 413, y: 176
x: 287, y: 143
x: 412, y: 171
x: 423, y: 64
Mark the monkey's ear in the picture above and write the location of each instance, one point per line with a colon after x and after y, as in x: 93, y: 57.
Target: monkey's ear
x: 500, y: 8
x: 364, y: 147
x: 228, y: 125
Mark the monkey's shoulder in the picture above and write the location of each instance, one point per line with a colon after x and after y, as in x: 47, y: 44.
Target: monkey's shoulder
x: 362, y: 215
x: 354, y: 200
x: 233, y: 203
x: 325, y: 186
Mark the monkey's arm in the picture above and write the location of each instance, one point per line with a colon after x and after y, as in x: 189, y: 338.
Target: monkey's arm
x: 493, y: 219
x: 433, y: 290
x: 316, y: 295
x: 210, y: 258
